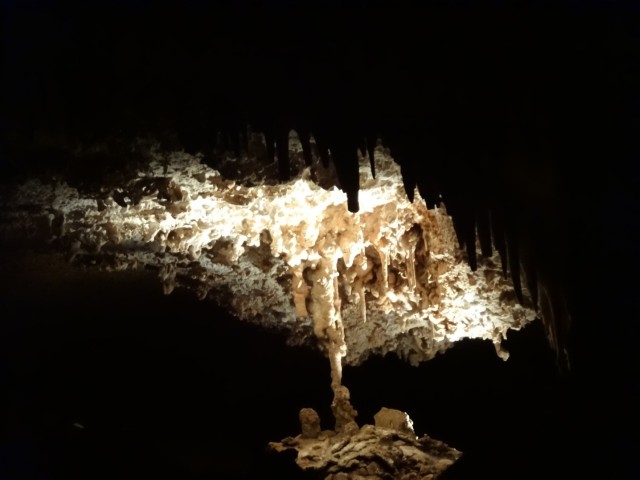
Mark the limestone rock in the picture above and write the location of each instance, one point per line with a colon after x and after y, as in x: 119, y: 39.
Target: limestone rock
x: 343, y: 411
x: 309, y: 423
x: 394, y: 420
x: 372, y: 452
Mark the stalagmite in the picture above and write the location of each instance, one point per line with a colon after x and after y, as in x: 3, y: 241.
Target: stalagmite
x: 384, y: 269
x: 388, y: 450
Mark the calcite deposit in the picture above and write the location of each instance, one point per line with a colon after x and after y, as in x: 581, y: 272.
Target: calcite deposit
x: 387, y: 450
x: 389, y: 278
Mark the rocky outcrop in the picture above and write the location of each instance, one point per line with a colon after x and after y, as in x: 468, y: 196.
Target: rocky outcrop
x: 394, y: 420
x: 377, y: 452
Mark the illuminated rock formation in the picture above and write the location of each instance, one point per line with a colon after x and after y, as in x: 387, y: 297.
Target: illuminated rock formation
x: 390, y: 278
x: 387, y: 450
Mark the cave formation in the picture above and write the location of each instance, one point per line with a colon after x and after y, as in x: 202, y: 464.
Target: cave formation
x: 476, y: 137
x: 289, y: 256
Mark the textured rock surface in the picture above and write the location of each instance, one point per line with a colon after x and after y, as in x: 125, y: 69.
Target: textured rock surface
x: 309, y: 423
x: 389, y: 278
x: 395, y: 420
x: 372, y: 452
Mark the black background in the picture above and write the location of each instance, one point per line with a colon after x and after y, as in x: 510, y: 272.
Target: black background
x: 531, y: 107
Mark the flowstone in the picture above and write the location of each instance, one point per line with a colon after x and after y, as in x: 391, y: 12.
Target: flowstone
x: 380, y: 452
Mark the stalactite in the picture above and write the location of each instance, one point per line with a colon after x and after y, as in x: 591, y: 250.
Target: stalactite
x: 305, y: 141
x: 282, y: 148
x: 362, y: 297
x: 484, y: 231
x: 469, y: 227
x: 513, y: 252
x: 371, y: 145
x: 409, y: 242
x: 430, y: 195
x: 300, y: 291
x: 345, y: 159
x: 408, y: 181
x: 329, y: 330
x: 384, y: 267
x: 548, y: 314
x: 530, y: 275
x: 271, y: 145
x: 556, y: 318
x: 323, y: 148
x: 498, y: 235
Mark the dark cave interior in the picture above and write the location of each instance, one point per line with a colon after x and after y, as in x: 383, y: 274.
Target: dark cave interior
x: 524, y: 117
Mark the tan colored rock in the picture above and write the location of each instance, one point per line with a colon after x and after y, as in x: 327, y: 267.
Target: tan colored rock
x: 394, y: 420
x: 309, y: 423
x: 351, y: 428
x: 343, y: 411
x: 374, y: 452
